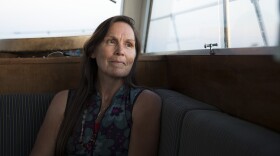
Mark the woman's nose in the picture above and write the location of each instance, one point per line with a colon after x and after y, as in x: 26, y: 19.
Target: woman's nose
x: 119, y: 50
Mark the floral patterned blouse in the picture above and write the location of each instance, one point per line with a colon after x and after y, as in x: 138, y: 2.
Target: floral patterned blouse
x: 112, y: 135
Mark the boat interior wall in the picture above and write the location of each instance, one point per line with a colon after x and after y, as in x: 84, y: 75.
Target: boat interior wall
x: 43, y: 75
x: 35, y: 75
x: 246, y: 86
x: 36, y: 45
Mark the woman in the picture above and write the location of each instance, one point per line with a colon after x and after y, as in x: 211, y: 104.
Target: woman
x: 107, y: 114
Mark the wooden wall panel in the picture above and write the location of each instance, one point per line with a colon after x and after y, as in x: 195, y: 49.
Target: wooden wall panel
x: 42, y: 44
x: 245, y: 86
x: 151, y: 71
x: 31, y: 75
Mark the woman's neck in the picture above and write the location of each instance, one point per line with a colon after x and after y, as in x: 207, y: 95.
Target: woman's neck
x: 107, y: 87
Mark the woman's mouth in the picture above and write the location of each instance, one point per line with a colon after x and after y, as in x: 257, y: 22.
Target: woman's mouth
x: 118, y: 62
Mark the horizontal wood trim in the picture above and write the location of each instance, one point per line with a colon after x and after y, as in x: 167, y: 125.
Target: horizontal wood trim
x: 42, y: 44
x: 145, y: 57
x: 142, y: 58
x: 50, y: 60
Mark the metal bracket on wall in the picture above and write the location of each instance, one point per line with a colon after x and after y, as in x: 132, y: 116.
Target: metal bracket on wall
x: 210, y: 46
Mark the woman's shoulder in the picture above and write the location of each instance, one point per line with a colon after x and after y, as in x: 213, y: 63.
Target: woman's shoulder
x: 148, y: 102
x: 148, y: 94
x: 50, y: 127
x: 58, y: 103
x: 145, y: 93
x: 60, y: 96
x: 61, y: 93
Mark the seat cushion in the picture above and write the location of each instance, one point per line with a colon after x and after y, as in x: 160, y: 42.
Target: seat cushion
x: 21, y: 118
x: 206, y: 132
x: 174, y: 107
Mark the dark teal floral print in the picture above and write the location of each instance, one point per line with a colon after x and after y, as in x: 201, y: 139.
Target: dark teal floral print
x: 115, y: 127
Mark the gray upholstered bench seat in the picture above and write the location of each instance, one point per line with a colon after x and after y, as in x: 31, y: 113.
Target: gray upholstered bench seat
x: 21, y: 117
x: 206, y: 132
x: 174, y: 108
x: 188, y: 127
x: 192, y: 128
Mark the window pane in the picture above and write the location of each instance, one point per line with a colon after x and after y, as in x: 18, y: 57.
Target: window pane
x: 52, y: 18
x: 189, y: 24
x: 249, y: 30
x: 186, y: 25
x: 195, y: 33
x: 161, y: 36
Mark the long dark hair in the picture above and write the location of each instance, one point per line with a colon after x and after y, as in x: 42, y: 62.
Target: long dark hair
x: 88, y: 79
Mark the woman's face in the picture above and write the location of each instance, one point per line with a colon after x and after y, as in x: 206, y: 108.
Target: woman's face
x: 116, y: 53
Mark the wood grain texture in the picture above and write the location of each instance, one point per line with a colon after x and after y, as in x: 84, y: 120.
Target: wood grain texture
x: 42, y: 44
x: 244, y: 86
x: 31, y: 75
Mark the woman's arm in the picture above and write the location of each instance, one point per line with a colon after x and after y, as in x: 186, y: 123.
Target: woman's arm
x: 46, y: 138
x: 146, y: 125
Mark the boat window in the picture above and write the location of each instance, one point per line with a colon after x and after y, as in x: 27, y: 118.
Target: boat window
x: 54, y: 18
x: 191, y: 24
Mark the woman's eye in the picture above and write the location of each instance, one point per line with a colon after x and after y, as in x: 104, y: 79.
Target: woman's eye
x: 129, y: 45
x: 111, y: 42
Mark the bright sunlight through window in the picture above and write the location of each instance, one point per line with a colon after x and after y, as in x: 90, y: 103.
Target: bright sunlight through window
x: 54, y: 18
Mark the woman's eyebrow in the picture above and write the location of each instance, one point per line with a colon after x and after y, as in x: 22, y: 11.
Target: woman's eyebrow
x: 111, y: 36
x: 131, y: 40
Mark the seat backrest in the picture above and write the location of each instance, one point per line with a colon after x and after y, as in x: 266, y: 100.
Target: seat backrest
x: 191, y: 127
x: 21, y: 117
x: 207, y: 132
x: 174, y: 108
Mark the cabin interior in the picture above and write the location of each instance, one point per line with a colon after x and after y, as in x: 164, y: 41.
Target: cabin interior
x: 245, y: 85
x: 243, y: 82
